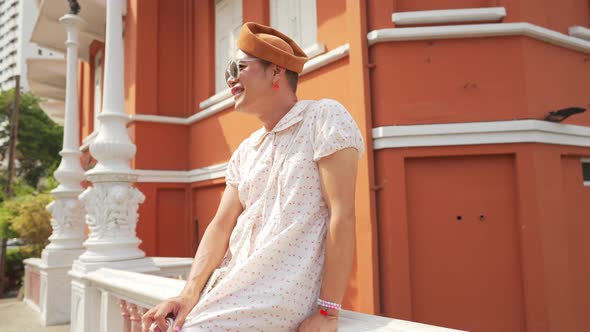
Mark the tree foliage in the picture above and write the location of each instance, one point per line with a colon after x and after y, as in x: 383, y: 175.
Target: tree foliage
x: 39, y: 139
x: 29, y: 218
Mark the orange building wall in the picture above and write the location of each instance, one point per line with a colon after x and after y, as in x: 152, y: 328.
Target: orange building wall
x: 536, y: 243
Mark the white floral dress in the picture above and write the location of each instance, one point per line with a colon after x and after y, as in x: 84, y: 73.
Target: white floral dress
x: 270, y: 277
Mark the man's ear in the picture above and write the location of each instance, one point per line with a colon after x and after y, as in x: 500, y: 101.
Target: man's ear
x: 277, y: 70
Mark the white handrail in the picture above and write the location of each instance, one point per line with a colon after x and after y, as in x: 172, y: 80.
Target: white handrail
x: 141, y: 291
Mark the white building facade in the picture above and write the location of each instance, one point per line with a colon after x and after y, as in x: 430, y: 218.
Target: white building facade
x: 17, y: 19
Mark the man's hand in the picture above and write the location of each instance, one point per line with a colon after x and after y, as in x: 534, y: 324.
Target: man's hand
x: 179, y: 306
x: 319, y: 323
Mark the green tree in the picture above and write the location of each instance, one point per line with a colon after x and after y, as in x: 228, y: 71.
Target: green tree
x: 39, y: 139
x: 30, y: 219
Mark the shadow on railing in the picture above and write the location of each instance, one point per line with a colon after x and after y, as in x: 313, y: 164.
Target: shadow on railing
x: 126, y: 296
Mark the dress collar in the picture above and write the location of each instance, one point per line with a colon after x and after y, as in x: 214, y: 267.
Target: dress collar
x: 295, y: 115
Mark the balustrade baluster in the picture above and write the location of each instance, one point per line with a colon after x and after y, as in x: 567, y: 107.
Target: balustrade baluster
x: 134, y: 317
x: 126, y: 316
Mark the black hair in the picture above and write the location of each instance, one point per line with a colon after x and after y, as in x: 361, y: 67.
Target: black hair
x: 292, y: 77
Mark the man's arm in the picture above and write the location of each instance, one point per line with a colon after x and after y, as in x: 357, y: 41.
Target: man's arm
x: 215, y: 242
x: 338, y: 178
x: 208, y: 257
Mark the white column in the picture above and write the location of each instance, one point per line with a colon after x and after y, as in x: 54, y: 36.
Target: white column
x: 67, y: 222
x: 67, y: 212
x: 112, y: 201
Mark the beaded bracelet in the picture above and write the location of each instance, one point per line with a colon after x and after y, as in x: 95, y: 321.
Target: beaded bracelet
x: 325, y: 305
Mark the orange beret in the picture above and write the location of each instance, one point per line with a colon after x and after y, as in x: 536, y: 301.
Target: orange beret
x: 271, y: 45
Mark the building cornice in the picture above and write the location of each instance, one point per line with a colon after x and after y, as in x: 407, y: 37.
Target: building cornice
x: 467, y: 15
x: 478, y: 133
x: 478, y: 31
x: 579, y: 32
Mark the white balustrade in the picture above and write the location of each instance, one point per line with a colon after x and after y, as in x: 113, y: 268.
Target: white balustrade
x: 134, y: 293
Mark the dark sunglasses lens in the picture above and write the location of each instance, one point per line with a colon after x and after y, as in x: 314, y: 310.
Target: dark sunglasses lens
x: 233, y: 69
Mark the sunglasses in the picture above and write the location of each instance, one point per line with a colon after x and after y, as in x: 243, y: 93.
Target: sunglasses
x: 235, y: 66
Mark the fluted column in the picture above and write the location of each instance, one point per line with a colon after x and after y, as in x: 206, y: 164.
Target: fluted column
x: 112, y: 201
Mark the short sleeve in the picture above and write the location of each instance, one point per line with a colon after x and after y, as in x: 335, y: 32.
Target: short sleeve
x: 335, y: 129
x: 232, y: 174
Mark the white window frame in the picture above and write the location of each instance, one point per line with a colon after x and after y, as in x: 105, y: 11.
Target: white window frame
x: 296, y: 19
x: 227, y: 29
x: 97, y: 83
x: 586, y: 161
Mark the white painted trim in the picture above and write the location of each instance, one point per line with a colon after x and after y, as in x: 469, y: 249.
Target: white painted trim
x: 158, y: 119
x: 88, y: 140
x: 579, y: 32
x: 326, y: 59
x: 223, y: 100
x: 586, y: 183
x: 148, y: 290
x: 585, y: 160
x: 475, y: 133
x: 216, y: 98
x: 314, y: 50
x: 479, y: 31
x: 449, y: 16
x: 194, y: 175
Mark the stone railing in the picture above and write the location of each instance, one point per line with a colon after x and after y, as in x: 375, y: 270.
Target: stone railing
x: 126, y: 296
x: 173, y: 267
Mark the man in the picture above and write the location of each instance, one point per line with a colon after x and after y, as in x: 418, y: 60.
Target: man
x: 278, y: 253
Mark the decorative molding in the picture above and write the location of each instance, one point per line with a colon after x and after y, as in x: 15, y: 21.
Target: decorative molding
x: 224, y: 99
x: 194, y: 175
x: 478, y: 31
x: 449, y: 16
x: 579, y: 32
x: 87, y: 141
x: 112, y: 219
x: 476, y: 133
x: 67, y: 223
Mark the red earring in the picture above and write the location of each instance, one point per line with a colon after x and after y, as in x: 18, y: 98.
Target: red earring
x: 275, y: 86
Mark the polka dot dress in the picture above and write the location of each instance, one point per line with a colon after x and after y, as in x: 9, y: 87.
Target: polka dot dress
x: 270, y: 277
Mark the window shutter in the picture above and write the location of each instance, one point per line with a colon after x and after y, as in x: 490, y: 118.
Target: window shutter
x: 296, y: 19
x: 228, y: 21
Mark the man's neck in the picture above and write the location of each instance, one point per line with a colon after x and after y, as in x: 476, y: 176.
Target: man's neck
x: 276, y: 110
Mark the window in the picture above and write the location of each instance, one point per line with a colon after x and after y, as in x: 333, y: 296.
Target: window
x: 97, y: 88
x: 296, y: 19
x: 586, y: 171
x: 228, y: 21
x: 40, y: 52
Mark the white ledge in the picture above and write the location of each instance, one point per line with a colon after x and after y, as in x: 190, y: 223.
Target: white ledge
x: 449, y: 16
x: 223, y: 99
x: 478, y: 31
x: 314, y: 50
x: 476, y: 133
x: 148, y: 290
x: 194, y: 175
x: 579, y: 32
